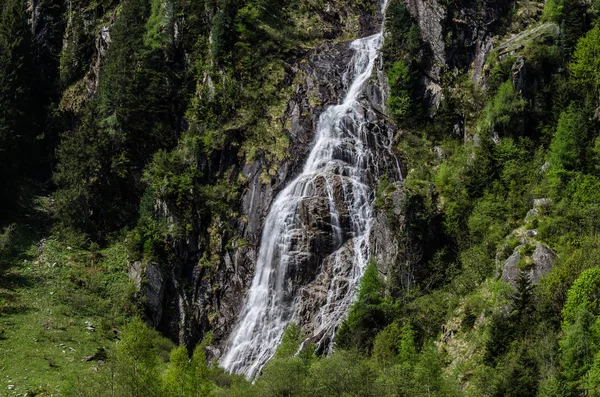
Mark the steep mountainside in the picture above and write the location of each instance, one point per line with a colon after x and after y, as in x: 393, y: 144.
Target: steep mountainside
x: 225, y: 171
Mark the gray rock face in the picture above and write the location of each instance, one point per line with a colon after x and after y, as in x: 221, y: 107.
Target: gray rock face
x: 318, y: 238
x: 214, y: 302
x: 385, y: 237
x: 543, y: 260
x: 315, y: 295
x: 510, y: 270
x: 468, y: 27
x: 150, y: 281
x: 321, y: 85
x: 154, y: 291
x: 430, y: 16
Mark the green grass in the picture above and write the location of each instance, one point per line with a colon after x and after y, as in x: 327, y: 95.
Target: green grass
x: 49, y: 293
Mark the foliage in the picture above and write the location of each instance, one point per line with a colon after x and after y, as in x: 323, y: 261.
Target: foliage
x: 399, y: 102
x: 500, y: 114
x: 368, y: 315
x: 152, y: 154
x: 17, y: 114
x: 582, y: 295
x: 566, y: 145
x: 585, y: 67
x: 401, y: 50
x: 185, y: 376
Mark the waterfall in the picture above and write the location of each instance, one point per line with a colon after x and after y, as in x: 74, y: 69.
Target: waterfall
x: 337, y: 171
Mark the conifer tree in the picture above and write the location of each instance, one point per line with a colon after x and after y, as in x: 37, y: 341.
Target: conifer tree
x: 101, y: 163
x: 16, y: 128
x: 523, y: 297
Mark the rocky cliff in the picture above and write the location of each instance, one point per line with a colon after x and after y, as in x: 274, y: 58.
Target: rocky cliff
x: 184, y: 297
x: 459, y: 38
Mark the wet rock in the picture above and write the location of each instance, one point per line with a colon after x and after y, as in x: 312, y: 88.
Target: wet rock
x: 318, y: 298
x: 212, y: 353
x: 194, y: 301
x: 386, y: 232
x: 430, y: 15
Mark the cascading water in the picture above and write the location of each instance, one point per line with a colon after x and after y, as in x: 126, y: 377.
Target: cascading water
x: 337, y: 170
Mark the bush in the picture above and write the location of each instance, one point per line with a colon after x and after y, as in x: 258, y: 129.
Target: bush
x: 501, y: 113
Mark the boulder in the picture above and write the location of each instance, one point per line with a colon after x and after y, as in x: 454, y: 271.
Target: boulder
x: 543, y: 259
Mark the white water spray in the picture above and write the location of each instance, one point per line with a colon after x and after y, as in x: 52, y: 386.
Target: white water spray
x: 339, y: 161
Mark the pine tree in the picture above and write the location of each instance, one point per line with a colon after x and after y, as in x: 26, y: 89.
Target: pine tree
x: 523, y: 297
x: 16, y: 129
x: 585, y: 68
x: 101, y: 163
x: 368, y: 315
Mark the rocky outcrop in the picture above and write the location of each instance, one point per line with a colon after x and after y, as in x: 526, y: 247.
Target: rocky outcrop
x: 217, y: 294
x: 531, y: 256
x: 150, y: 283
x: 431, y: 16
x: 459, y: 35
x: 336, y: 271
x: 319, y: 84
x: 386, y: 233
x: 536, y: 265
x: 470, y: 28
x: 320, y: 238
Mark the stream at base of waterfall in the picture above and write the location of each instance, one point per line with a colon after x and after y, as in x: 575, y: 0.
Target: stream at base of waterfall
x: 336, y: 171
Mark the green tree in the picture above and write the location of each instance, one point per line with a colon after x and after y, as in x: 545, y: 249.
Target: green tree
x: 369, y: 314
x: 566, y: 145
x: 501, y: 114
x: 400, y: 80
x: 344, y: 373
x: 585, y: 292
x: 101, y: 162
x: 132, y: 369
x: 185, y: 376
x: 592, y: 379
x: 135, y: 368
x: 523, y: 299
x: 572, y: 20
x: 17, y: 131
x: 516, y: 374
x: 286, y: 374
x: 429, y: 377
x: 407, y: 349
x: 385, y: 346
x: 585, y: 66
x: 577, y: 350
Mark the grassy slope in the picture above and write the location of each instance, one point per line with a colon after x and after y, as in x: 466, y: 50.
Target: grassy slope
x: 47, y: 294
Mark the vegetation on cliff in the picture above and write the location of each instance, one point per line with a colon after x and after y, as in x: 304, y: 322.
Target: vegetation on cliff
x: 131, y: 139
